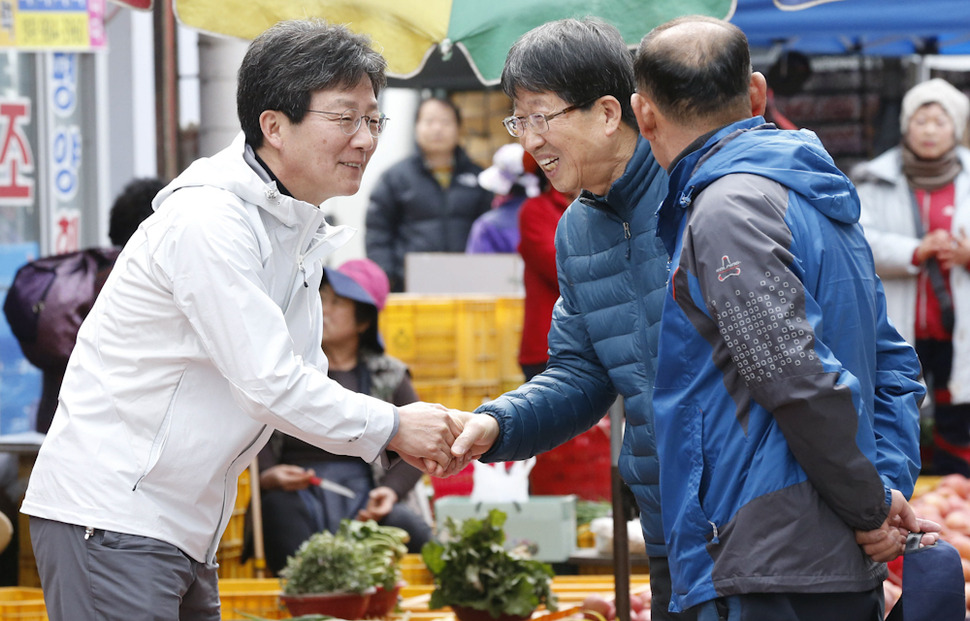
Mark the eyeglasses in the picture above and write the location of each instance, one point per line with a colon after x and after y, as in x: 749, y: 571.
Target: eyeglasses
x: 538, y: 122
x: 351, y: 119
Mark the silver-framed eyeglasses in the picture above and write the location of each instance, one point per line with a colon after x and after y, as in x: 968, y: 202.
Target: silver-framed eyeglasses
x: 350, y: 120
x: 538, y: 122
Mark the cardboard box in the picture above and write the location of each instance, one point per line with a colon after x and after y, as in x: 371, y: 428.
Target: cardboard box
x: 548, y: 522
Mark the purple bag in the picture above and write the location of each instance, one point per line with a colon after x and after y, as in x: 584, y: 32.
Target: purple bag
x: 48, y: 300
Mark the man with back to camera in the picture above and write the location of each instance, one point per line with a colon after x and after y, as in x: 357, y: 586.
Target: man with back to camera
x: 786, y: 404
x: 206, y: 338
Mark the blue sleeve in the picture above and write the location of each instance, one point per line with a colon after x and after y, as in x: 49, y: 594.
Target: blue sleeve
x: 568, y: 398
x: 897, y: 397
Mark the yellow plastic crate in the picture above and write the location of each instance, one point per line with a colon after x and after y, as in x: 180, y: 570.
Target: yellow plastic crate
x: 22, y: 604
x: 254, y: 596
x: 476, y: 393
x: 421, y: 331
x: 414, y: 571
x: 479, y: 347
x: 509, y: 315
x: 445, y: 392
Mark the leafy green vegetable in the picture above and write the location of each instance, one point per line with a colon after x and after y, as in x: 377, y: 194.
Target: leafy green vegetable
x: 588, y: 510
x: 472, y: 568
x: 326, y: 563
x: 360, y: 555
x: 385, y: 547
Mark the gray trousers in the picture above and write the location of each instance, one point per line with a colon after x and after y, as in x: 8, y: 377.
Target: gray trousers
x: 111, y: 576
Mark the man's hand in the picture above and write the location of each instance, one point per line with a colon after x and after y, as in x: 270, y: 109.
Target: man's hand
x: 885, y: 543
x: 478, y: 434
x: 286, y: 477
x: 424, y: 437
x: 380, y: 501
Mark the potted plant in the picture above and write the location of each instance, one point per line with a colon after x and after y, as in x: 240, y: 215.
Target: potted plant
x: 479, y: 579
x: 385, y: 548
x: 327, y: 575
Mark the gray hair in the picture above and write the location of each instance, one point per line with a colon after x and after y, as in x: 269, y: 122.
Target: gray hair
x: 577, y: 60
x: 291, y: 60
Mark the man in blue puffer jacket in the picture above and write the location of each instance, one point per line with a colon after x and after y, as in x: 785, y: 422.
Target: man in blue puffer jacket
x: 786, y: 403
x: 571, y: 83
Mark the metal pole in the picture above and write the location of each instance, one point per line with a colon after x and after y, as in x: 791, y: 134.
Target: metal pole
x: 166, y: 90
x: 621, y: 544
x: 256, y: 511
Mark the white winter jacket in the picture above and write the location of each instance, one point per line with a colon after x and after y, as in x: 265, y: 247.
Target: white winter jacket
x: 204, y: 339
x: 887, y: 217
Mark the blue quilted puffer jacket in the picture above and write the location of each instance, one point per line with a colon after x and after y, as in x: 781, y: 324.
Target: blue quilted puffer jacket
x: 603, y: 340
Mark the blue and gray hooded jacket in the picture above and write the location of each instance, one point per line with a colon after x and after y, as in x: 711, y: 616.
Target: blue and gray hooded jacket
x: 786, y: 404
x: 603, y: 341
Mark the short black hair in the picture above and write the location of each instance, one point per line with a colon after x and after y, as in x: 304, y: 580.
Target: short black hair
x: 708, y: 78
x: 443, y: 101
x: 131, y: 206
x: 577, y: 60
x: 290, y: 61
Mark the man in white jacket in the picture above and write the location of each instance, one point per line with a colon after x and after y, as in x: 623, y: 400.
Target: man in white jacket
x: 206, y: 338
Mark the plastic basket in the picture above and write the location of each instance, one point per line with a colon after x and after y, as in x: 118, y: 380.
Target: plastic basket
x: 259, y: 597
x: 22, y: 604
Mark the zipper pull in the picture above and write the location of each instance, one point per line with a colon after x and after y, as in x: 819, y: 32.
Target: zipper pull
x: 88, y: 532
x: 714, y: 538
x: 627, y: 235
x: 303, y: 271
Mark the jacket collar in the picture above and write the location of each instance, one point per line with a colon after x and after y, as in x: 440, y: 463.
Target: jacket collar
x: 680, y: 195
x: 626, y: 192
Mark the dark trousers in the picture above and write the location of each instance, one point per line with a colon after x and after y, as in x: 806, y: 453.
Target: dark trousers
x: 660, y: 593
x: 951, y: 422
x: 109, y: 576
x: 861, y: 606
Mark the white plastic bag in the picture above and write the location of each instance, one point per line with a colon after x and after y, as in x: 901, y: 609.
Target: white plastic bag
x: 496, y: 483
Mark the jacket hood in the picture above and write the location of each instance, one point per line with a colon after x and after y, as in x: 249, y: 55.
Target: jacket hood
x: 795, y: 159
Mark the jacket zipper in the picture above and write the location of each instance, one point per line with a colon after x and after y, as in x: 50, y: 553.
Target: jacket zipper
x: 300, y: 266
x: 214, y: 542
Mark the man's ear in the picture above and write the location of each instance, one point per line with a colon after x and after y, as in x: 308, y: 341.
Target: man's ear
x: 612, y: 112
x: 270, y: 122
x: 646, y: 119
x: 758, y: 91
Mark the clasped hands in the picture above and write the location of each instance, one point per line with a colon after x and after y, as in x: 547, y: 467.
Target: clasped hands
x: 439, y: 440
x: 885, y: 543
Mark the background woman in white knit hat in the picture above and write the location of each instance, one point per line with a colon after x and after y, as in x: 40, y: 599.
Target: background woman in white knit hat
x: 916, y: 214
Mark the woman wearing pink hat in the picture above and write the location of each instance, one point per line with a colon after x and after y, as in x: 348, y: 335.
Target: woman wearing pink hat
x: 295, y: 505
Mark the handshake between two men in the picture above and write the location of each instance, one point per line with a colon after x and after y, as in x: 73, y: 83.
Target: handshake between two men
x: 439, y: 440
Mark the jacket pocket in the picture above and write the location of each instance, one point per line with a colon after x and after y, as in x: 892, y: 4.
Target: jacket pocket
x: 683, y: 467
x: 161, y: 435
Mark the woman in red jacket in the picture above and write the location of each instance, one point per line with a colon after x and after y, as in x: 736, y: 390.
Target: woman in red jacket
x: 538, y: 218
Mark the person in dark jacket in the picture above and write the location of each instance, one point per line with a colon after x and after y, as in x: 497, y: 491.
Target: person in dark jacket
x: 428, y: 201
x: 570, y: 82
x: 786, y: 404
x: 293, y: 506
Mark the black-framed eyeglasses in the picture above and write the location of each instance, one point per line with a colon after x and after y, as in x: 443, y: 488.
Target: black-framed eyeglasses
x: 350, y: 120
x: 538, y: 122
